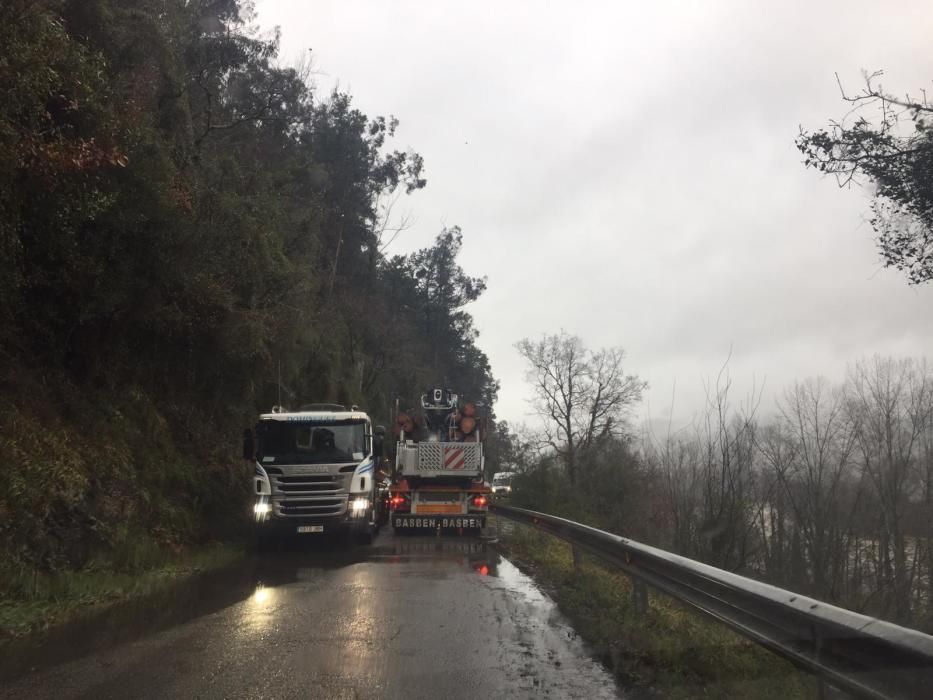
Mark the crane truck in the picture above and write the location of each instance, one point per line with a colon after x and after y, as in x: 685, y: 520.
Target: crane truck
x: 314, y: 472
x: 439, y: 467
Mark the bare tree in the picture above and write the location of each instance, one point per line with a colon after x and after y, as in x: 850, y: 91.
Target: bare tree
x: 811, y: 463
x: 925, y: 468
x: 384, y: 224
x: 727, y: 439
x: 889, y: 401
x: 581, y: 395
x: 710, y: 484
x: 775, y: 524
x: 678, y: 460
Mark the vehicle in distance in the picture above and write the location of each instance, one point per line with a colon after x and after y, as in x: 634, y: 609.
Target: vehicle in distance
x: 502, y: 484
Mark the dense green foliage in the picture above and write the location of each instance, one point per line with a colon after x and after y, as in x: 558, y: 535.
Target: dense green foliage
x: 182, y: 222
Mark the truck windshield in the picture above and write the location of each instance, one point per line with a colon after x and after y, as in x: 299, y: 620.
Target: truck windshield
x: 502, y: 479
x: 288, y: 442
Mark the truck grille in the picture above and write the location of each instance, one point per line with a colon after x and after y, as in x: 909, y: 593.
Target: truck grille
x: 304, y: 495
x: 296, y: 506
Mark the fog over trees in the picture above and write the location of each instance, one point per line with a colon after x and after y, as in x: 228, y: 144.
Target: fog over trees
x: 832, y: 497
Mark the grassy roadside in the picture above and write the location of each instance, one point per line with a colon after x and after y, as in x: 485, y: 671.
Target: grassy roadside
x: 669, y: 652
x: 31, y: 602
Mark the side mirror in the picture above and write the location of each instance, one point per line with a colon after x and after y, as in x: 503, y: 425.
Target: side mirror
x: 249, y: 447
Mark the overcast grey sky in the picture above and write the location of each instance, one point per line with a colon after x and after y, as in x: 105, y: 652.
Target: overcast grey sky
x: 627, y: 171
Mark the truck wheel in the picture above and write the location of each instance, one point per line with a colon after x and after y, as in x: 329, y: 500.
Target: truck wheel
x: 365, y: 537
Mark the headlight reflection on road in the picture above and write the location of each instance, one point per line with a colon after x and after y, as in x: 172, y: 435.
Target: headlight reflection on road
x: 363, y: 623
x: 262, y: 594
x: 259, y: 612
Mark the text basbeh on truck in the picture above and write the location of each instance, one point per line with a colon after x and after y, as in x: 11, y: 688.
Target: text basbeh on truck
x: 439, y: 467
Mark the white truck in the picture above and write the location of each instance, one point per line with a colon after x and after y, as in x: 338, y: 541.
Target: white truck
x: 314, y: 472
x: 439, y: 467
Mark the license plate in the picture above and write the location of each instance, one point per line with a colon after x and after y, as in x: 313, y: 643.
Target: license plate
x: 428, y: 497
x: 310, y: 528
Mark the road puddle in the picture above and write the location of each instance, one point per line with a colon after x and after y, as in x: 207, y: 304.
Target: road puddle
x: 409, y: 611
x: 550, y: 659
x: 431, y: 555
x: 123, y: 622
x: 255, y: 579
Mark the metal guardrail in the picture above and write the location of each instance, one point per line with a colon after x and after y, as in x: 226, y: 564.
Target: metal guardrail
x: 861, y: 655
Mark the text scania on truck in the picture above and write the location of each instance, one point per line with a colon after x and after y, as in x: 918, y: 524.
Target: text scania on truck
x: 439, y: 466
x: 314, y: 472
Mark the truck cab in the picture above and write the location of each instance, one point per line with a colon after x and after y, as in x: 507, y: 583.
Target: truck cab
x: 314, y: 472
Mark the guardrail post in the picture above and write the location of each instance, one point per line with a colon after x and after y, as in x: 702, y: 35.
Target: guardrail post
x: 640, y: 595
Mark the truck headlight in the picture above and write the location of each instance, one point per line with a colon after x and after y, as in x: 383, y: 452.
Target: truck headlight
x: 359, y: 506
x: 262, y: 508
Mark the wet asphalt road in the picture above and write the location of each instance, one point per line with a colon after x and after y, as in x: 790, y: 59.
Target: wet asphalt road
x: 409, y: 617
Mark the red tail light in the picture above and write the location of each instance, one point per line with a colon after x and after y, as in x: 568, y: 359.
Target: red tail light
x: 400, y: 503
x: 480, y: 501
